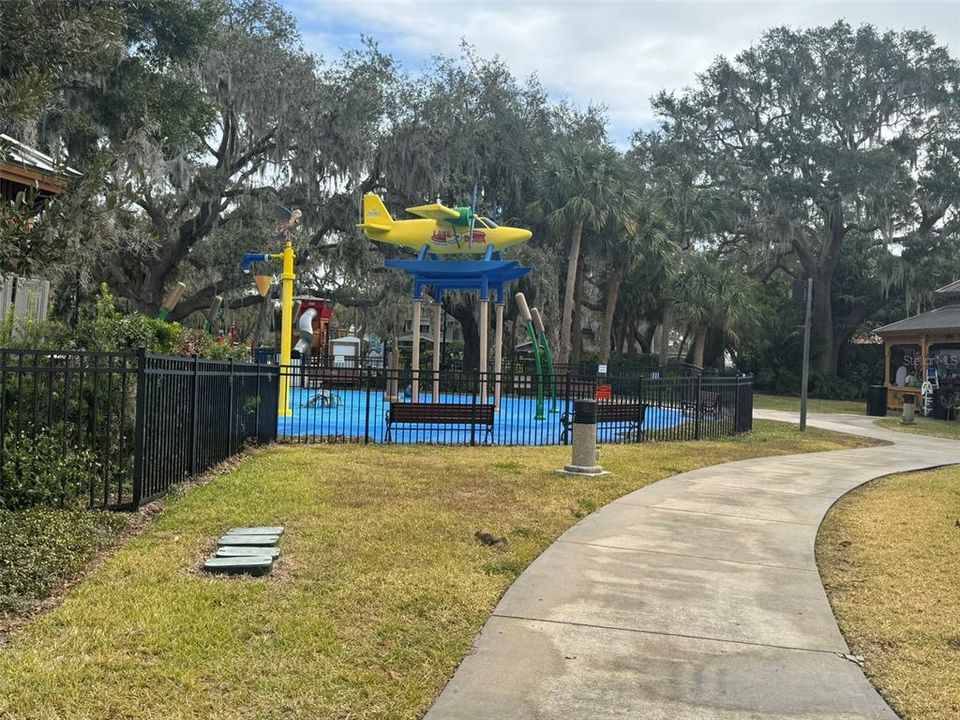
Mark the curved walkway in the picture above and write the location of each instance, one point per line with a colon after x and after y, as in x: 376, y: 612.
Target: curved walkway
x: 695, y: 597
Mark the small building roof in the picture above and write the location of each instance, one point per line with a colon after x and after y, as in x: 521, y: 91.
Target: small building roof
x: 27, y: 166
x: 34, y: 159
x: 951, y: 290
x: 942, y: 319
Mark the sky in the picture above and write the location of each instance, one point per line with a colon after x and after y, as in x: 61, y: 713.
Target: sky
x: 617, y: 54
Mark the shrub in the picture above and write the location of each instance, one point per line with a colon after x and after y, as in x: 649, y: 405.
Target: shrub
x: 831, y: 387
x: 41, y: 548
x: 38, y: 471
x: 103, y: 327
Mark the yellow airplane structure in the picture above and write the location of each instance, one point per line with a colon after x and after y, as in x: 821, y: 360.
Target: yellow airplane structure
x: 445, y: 231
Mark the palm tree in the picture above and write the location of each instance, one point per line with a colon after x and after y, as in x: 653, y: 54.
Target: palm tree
x: 693, y: 207
x: 714, y: 295
x: 582, y: 187
x: 642, y: 244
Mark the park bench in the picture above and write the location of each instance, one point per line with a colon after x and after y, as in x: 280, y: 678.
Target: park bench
x: 441, y: 414
x: 629, y: 413
x: 708, y: 404
x: 323, y: 377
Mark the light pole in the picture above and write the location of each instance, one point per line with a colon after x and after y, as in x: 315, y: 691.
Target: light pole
x: 804, y: 289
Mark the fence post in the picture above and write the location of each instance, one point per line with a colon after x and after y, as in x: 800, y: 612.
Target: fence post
x: 473, y: 414
x: 194, y: 403
x: 640, y: 410
x: 232, y: 420
x: 736, y: 407
x: 139, y: 428
x: 366, y: 422
x: 698, y: 410
x: 259, y: 405
x: 3, y: 400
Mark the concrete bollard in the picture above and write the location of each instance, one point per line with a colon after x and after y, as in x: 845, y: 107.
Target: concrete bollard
x: 909, y: 410
x: 585, y: 456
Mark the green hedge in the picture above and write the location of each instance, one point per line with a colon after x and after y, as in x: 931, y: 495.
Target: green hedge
x: 44, y: 470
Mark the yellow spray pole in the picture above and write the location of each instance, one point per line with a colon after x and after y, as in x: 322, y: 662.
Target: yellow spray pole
x: 287, y: 220
x: 286, y: 325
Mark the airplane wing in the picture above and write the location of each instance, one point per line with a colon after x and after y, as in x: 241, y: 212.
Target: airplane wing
x: 435, y: 211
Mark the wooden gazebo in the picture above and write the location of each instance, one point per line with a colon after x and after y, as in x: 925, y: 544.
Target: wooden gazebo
x: 922, y: 345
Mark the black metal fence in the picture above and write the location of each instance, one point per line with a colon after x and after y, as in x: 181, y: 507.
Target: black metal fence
x: 370, y: 405
x: 115, y: 430
x: 193, y: 414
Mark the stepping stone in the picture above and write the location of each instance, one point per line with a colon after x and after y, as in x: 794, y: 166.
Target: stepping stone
x: 239, y: 551
x: 235, y: 565
x: 249, y: 540
x: 262, y: 530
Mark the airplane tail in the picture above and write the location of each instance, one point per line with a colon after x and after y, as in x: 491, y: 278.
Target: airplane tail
x: 376, y: 217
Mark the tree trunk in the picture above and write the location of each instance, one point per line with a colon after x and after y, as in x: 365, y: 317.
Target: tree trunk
x: 824, y: 347
x: 699, y: 343
x: 566, y: 319
x: 463, y: 311
x: 576, y: 330
x: 821, y: 267
x: 645, y: 338
x: 665, y: 335
x: 613, y: 295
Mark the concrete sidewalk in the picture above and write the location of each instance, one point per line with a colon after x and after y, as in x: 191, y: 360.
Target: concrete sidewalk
x: 696, y: 597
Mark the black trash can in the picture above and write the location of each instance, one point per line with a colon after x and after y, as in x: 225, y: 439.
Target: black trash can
x: 265, y: 355
x: 877, y: 400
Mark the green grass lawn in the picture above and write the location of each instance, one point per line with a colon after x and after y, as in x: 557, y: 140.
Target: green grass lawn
x: 814, y: 405
x: 925, y: 426
x: 889, y: 555
x: 378, y: 595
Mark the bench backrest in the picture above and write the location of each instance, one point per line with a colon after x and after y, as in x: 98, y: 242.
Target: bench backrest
x: 329, y: 377
x: 620, y: 412
x: 441, y: 413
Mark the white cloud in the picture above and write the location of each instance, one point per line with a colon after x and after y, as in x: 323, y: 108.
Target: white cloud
x: 615, y: 53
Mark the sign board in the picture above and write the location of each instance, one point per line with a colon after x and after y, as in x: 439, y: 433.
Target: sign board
x: 602, y: 370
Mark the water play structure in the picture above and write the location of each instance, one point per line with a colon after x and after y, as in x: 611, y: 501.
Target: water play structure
x: 444, y: 230
x: 287, y: 220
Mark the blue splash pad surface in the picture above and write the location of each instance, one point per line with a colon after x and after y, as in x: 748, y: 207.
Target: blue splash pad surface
x: 358, y: 415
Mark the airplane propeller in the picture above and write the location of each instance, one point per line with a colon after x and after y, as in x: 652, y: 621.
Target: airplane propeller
x: 473, y: 215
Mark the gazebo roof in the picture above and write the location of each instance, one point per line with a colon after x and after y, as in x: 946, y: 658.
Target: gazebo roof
x: 942, y: 319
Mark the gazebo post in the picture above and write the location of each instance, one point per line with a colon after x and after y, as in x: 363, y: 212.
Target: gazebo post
x: 484, y: 344
x: 924, y: 359
x: 437, y: 319
x: 498, y: 353
x: 415, y: 360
